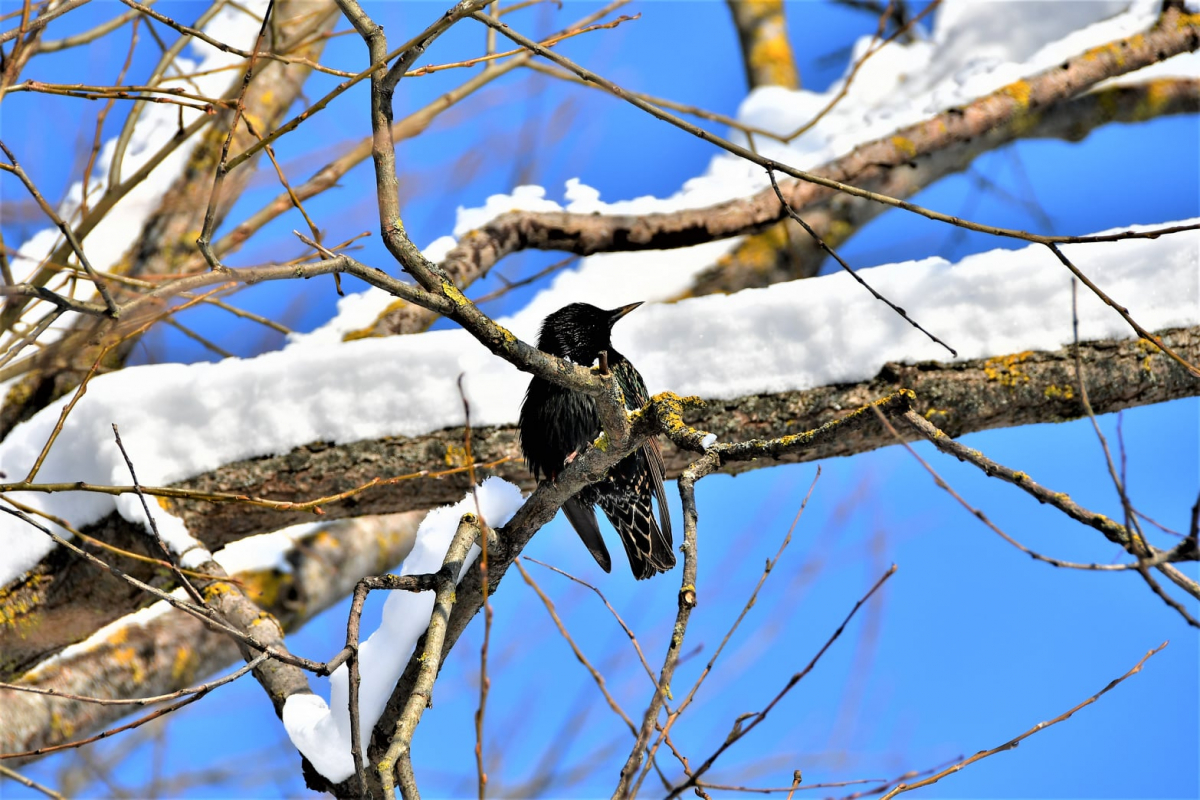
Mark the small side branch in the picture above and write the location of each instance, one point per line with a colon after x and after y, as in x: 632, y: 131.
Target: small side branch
x: 397, y: 759
x: 687, y: 601
x: 76, y: 246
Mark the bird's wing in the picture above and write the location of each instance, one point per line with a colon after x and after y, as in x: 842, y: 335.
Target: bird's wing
x: 583, y: 520
x: 658, y: 469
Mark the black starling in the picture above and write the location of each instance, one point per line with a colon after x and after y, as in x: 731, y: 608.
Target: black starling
x: 558, y: 423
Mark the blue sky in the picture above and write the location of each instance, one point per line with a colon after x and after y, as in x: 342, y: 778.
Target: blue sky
x: 968, y: 645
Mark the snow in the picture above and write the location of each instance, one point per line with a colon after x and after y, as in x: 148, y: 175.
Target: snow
x: 254, y: 553
x: 320, y: 730
x: 899, y: 85
x: 265, y: 551
x: 178, y: 421
x: 158, y: 124
x: 182, y: 420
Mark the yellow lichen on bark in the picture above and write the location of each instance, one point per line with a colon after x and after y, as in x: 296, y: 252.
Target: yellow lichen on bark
x: 1018, y: 91
x: 1006, y: 370
x: 1055, y: 392
x: 369, y: 331
x: 904, y: 146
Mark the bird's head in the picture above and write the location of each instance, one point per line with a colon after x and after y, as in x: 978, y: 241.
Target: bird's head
x: 580, y: 331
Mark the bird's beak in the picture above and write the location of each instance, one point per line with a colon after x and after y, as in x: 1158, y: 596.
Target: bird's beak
x: 617, y: 313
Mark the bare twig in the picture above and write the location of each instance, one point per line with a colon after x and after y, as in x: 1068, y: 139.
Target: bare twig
x: 1139, y: 567
x: 397, y: 755
x: 877, y: 44
x: 686, y: 602
x: 628, y: 631
x: 821, y: 243
x: 410, y: 583
x: 170, y: 557
x: 26, y: 28
x: 601, y: 684
x: 153, y: 715
x: 1123, y: 311
x: 1012, y: 743
x: 66, y: 229
x: 1113, y: 531
x: 251, y: 54
x: 741, y: 727
x: 32, y: 784
x: 205, y: 615
x: 54, y: 45
x: 203, y: 242
x: 1125, y: 61
x: 673, y: 717
x: 142, y: 701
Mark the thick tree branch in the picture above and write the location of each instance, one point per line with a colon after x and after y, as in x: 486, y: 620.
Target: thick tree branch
x: 875, y: 168
x: 766, y: 51
x: 175, y: 650
x: 63, y: 600
x: 783, y: 253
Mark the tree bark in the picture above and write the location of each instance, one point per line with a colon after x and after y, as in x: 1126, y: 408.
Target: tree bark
x: 167, y: 242
x: 64, y: 599
x: 175, y: 651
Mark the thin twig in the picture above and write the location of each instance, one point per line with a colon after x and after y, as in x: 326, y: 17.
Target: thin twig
x: 153, y: 715
x: 251, y: 54
x: 875, y: 46
x: 205, y: 615
x: 141, y: 701
x: 210, y: 214
x: 673, y: 717
x: 32, y: 784
x: 1123, y: 311
x: 1115, y: 533
x: 810, y: 177
x: 1012, y: 743
x: 97, y: 136
x: 43, y: 19
x: 597, y: 677
x: 82, y: 388
x: 686, y: 602
x: 821, y: 243
x: 628, y: 631
x: 741, y: 728
x: 67, y: 232
x: 54, y: 45
x: 485, y: 682
x: 411, y: 583
x: 166, y: 551
x: 397, y: 755
x: 260, y: 502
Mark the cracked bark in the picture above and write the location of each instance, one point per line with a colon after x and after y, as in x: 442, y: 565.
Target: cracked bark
x: 63, y: 600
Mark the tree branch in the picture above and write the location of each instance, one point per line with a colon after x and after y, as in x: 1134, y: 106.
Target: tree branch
x: 63, y: 600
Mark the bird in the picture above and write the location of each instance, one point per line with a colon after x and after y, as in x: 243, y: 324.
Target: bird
x: 557, y: 424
